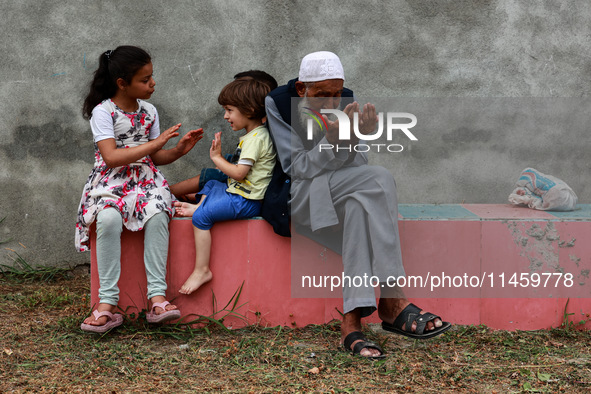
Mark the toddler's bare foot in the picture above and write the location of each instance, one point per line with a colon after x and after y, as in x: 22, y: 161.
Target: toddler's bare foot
x: 195, y: 281
x: 184, y: 209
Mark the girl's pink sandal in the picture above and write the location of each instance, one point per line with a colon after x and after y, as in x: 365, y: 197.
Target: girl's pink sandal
x: 165, y: 316
x: 113, y: 320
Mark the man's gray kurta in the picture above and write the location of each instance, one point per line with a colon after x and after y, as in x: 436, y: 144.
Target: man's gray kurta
x: 331, y: 190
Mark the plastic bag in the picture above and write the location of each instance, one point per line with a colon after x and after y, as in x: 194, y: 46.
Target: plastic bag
x: 543, y: 192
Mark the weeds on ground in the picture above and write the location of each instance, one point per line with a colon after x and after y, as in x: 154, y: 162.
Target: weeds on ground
x: 42, y: 350
x: 567, y: 324
x: 21, y: 271
x: 189, y: 326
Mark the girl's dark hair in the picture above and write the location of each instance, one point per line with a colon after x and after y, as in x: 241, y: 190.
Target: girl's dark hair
x: 122, y: 63
x: 246, y: 94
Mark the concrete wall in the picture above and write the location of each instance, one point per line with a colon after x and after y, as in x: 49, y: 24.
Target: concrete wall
x: 437, y: 48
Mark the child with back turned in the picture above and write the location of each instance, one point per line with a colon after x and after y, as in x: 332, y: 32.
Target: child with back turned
x: 125, y: 188
x: 241, y: 195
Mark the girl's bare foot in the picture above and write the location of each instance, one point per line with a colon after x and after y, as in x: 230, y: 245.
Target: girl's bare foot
x: 195, y: 281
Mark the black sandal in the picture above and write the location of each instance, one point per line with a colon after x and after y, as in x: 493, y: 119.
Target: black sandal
x: 412, y: 314
x: 357, y: 335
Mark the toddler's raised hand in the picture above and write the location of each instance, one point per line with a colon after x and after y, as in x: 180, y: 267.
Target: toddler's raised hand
x: 216, y: 146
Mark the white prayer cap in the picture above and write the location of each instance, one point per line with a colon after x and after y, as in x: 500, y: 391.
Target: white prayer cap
x: 319, y: 66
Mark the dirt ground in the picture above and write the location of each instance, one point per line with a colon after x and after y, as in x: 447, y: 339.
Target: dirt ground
x: 43, y: 350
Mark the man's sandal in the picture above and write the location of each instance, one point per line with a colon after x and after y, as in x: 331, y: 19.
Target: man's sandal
x: 165, y: 316
x: 113, y: 320
x: 412, y: 314
x: 358, y: 335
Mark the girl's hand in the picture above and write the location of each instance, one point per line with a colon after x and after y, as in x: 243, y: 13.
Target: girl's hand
x: 167, y: 135
x: 188, y: 141
x: 216, y: 146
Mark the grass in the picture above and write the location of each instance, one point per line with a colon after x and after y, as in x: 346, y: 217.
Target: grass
x: 21, y: 271
x: 189, y: 326
x: 43, y: 349
x: 567, y: 324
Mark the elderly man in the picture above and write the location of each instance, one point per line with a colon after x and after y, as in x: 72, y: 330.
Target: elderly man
x: 340, y: 201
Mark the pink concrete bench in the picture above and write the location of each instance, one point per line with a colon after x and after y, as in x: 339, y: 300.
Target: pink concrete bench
x: 499, y: 246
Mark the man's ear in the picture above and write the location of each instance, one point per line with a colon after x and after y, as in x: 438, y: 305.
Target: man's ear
x: 300, y: 88
x: 121, y: 84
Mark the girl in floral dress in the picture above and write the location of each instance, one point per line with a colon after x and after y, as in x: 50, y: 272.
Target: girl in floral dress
x: 125, y: 188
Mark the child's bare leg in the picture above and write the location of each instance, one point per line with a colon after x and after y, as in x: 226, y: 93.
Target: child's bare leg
x: 183, y: 188
x: 201, y: 274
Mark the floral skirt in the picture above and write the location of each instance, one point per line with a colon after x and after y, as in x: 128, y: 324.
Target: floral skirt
x: 138, y: 191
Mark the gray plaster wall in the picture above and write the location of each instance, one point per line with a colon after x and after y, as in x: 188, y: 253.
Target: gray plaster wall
x: 436, y: 49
